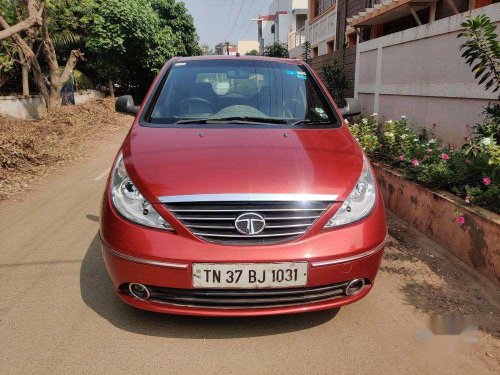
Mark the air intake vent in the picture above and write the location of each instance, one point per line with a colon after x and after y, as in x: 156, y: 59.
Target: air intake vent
x: 244, y: 298
x: 216, y: 221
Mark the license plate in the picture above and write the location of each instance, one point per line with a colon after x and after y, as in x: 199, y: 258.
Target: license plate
x: 249, y: 275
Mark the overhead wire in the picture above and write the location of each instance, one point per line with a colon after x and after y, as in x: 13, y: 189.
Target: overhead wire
x: 258, y: 13
x: 226, y: 34
x: 237, y: 17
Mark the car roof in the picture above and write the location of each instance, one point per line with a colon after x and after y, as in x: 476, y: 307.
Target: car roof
x: 242, y: 57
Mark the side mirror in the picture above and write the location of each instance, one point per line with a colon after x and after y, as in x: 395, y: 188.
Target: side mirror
x: 351, y: 109
x: 125, y: 104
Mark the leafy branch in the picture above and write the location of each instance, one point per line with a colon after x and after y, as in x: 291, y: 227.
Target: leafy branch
x: 482, y: 50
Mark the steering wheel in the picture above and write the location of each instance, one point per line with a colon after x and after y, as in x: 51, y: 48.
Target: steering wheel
x: 187, y: 101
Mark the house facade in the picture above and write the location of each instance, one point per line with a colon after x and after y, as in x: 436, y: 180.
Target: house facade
x: 245, y: 46
x: 411, y: 64
x: 282, y: 18
x: 226, y: 48
x: 403, y: 58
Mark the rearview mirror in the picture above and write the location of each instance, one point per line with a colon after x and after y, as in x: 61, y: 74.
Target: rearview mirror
x: 125, y: 104
x: 238, y: 74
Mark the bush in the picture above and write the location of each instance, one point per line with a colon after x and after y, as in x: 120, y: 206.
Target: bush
x: 470, y: 171
x: 276, y: 50
x: 336, y: 80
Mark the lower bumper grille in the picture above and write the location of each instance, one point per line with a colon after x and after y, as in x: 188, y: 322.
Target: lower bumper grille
x: 244, y: 298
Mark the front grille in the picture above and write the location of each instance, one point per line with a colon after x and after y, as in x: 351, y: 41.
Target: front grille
x: 215, y: 221
x: 243, y: 298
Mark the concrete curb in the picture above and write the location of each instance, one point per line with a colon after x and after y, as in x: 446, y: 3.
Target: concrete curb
x: 476, y: 242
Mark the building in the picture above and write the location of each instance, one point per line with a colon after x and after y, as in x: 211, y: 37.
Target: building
x: 283, y: 18
x: 222, y: 49
x: 325, y: 30
x: 409, y: 63
x: 297, y: 26
x: 403, y: 58
x: 322, y: 24
x: 245, y: 46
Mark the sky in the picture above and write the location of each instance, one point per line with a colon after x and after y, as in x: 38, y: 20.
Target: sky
x: 218, y: 20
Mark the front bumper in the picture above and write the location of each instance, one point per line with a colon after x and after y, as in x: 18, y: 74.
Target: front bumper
x: 163, y: 259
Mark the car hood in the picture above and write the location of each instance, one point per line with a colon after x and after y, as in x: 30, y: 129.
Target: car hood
x: 167, y: 161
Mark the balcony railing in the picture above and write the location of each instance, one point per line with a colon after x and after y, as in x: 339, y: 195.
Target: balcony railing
x: 296, y: 38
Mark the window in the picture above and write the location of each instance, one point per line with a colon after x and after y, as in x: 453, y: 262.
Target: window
x: 300, y: 21
x: 219, y: 89
x: 330, y: 46
x: 320, y: 6
x: 475, y: 4
x: 315, y: 52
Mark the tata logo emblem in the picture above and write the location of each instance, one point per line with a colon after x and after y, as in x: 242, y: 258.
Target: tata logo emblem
x: 250, y: 223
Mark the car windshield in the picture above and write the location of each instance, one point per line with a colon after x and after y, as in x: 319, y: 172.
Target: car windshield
x: 239, y: 92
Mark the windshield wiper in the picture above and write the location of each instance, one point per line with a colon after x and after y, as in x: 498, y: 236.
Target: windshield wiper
x: 235, y: 119
x: 310, y: 122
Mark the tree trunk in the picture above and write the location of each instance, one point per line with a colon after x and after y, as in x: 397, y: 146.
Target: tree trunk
x: 111, y: 88
x: 34, y: 19
x: 25, y: 78
x: 40, y: 82
x: 54, y: 99
x: 38, y: 16
x: 24, y: 74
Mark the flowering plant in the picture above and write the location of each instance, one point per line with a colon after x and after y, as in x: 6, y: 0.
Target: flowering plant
x: 471, y: 171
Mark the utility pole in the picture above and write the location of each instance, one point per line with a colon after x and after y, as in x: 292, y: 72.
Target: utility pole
x: 227, y: 48
x: 259, y: 35
x: 277, y: 27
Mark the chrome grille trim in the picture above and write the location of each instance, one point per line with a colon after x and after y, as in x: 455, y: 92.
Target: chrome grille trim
x: 233, y: 218
x: 143, y: 261
x: 214, y: 221
x: 247, y: 197
x: 351, y: 258
x: 262, y: 210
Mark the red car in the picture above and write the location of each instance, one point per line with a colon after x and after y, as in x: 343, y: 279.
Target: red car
x: 239, y: 191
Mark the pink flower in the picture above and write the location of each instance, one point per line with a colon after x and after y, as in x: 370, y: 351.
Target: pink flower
x: 401, y: 157
x: 415, y: 162
x: 486, y: 181
x: 468, y: 161
x: 444, y: 156
x: 460, y: 220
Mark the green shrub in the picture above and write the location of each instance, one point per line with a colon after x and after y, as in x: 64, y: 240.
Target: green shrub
x: 470, y: 171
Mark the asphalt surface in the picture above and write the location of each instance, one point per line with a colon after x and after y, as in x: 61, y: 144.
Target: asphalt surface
x: 60, y: 315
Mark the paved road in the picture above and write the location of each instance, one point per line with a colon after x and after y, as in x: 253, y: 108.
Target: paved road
x: 59, y: 314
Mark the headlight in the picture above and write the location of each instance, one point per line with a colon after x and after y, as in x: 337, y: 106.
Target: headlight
x: 130, y: 203
x: 359, y: 203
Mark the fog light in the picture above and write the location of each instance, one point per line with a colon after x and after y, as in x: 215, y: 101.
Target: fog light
x: 138, y: 291
x: 354, y: 286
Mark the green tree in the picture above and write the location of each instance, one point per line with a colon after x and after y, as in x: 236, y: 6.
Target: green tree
x: 336, y: 79
x: 306, y: 55
x: 206, y: 50
x: 9, y: 52
x: 276, y: 50
x: 175, y: 15
x: 253, y: 52
x: 128, y: 42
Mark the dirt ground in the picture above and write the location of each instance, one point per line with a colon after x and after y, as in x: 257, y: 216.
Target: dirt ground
x: 31, y: 149
x: 437, y: 283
